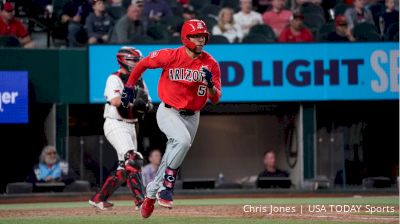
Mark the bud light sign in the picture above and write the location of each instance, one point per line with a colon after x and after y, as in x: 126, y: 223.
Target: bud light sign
x: 13, y: 97
x: 280, y: 72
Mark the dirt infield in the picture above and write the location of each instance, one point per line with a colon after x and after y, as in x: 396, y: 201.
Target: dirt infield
x: 35, y: 198
x: 224, y: 211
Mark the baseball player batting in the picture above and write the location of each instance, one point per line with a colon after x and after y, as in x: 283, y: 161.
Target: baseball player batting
x: 120, y: 116
x: 189, y: 77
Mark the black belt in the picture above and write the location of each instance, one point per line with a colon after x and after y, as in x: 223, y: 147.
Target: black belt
x: 182, y: 112
x: 129, y: 122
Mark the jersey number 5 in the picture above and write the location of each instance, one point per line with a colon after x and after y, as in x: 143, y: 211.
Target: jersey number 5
x: 202, y: 90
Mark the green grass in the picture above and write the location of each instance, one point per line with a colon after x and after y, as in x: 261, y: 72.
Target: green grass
x: 228, y: 201
x: 155, y: 220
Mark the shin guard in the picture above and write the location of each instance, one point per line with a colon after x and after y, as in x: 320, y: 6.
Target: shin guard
x: 111, y: 185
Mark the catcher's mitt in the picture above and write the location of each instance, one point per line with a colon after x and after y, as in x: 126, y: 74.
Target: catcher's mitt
x: 140, y: 105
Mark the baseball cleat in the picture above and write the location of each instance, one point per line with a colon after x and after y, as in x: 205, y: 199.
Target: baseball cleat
x: 147, y: 207
x: 165, y: 198
x: 102, y: 205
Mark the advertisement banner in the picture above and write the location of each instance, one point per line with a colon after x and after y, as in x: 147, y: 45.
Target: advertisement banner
x: 280, y: 72
x: 13, y: 97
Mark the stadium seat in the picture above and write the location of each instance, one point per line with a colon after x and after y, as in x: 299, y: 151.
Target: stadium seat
x: 325, y: 30
x: 310, y: 8
x: 175, y: 40
x: 116, y: 12
x: 158, y: 32
x: 142, y: 39
x: 198, y: 183
x: 234, y: 4
x: 377, y: 10
x: 171, y: 22
x: 263, y: 30
x: 314, y: 21
x: 210, y: 22
x: 218, y: 39
x: 392, y: 33
x: 314, y: 32
x: 376, y: 182
x: 177, y: 10
x: 58, y: 6
x: 210, y: 10
x: 171, y: 2
x: 368, y: 37
x: 78, y: 186
x: 366, y: 32
x: 198, y: 4
x: 257, y: 38
x: 341, y: 8
x: 19, y: 188
x: 9, y: 41
x: 365, y: 27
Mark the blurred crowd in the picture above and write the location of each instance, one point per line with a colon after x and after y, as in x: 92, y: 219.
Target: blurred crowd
x: 77, y: 23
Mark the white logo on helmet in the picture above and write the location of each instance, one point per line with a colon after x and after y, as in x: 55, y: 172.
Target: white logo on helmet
x: 200, y: 25
x: 193, y: 28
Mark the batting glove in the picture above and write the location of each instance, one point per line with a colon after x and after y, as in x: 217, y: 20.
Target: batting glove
x: 127, y: 96
x: 208, y: 77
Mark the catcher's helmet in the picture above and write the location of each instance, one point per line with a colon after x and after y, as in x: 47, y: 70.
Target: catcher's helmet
x: 128, y: 56
x: 193, y: 27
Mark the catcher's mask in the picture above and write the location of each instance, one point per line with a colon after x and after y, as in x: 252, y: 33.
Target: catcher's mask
x: 127, y: 57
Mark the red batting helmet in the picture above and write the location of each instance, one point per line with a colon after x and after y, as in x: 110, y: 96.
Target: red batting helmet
x: 128, y: 56
x: 193, y: 27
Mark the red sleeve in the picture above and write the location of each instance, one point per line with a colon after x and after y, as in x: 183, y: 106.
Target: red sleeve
x: 21, y: 30
x: 282, y: 37
x: 310, y: 36
x: 156, y: 59
x: 216, y: 71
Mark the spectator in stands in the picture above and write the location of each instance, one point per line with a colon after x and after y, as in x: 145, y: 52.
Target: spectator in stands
x: 391, y: 15
x: 114, y: 3
x: 358, y: 14
x: 10, y: 26
x: 270, y: 166
x: 154, y: 10
x: 261, y: 6
x: 227, y: 27
x: 296, y: 32
x: 184, y: 3
x: 51, y: 168
x: 150, y: 170
x: 246, y: 17
x: 278, y: 17
x: 75, y: 13
x: 188, y: 14
x: 129, y: 25
x: 298, y: 4
x: 98, y: 23
x: 342, y: 32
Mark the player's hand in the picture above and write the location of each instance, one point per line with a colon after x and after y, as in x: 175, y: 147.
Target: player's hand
x: 208, y: 77
x: 126, y: 96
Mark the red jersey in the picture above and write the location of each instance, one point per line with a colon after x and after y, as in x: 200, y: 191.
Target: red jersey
x: 13, y: 28
x: 288, y: 36
x: 182, y: 84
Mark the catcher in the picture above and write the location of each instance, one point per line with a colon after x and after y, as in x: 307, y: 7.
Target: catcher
x: 119, y: 128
